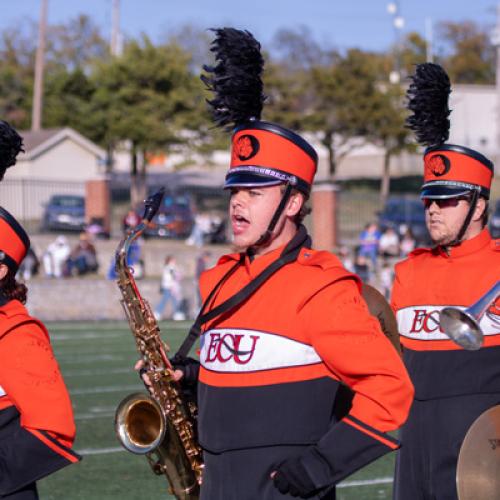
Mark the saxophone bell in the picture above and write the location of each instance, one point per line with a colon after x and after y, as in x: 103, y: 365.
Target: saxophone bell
x: 139, y: 423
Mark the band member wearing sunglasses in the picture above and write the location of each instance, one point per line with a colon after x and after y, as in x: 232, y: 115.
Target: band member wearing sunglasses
x: 453, y: 386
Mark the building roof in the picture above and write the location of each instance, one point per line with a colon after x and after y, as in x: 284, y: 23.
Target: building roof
x: 38, y: 142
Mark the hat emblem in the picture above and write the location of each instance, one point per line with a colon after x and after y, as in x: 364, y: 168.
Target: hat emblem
x: 246, y: 147
x: 437, y: 165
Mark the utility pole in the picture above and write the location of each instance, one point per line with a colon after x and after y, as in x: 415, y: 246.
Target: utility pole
x: 36, y: 116
x: 398, y: 23
x: 495, y: 40
x: 115, y: 47
x: 429, y: 40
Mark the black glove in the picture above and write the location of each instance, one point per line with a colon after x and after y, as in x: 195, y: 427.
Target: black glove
x: 189, y: 367
x: 291, y: 477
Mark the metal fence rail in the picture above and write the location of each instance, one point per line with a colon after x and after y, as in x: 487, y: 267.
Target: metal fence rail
x: 26, y: 198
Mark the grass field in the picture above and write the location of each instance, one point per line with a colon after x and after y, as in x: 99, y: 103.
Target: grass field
x: 96, y: 360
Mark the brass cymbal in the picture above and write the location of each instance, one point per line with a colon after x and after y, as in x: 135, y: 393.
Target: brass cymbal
x: 478, y: 468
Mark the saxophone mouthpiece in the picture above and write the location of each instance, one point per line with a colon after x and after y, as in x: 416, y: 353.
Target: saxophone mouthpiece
x: 152, y: 204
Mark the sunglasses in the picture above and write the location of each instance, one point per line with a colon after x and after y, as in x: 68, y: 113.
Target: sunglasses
x: 445, y: 202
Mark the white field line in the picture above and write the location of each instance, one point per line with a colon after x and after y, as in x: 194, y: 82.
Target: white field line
x: 84, y: 336
x: 105, y: 389
x: 345, y: 484
x: 76, y: 326
x: 365, y: 482
x: 100, y: 451
x: 93, y: 416
x: 76, y: 358
x: 102, y: 371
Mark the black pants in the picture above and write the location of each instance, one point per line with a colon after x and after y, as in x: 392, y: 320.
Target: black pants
x: 431, y: 440
x: 245, y: 474
x: 27, y: 493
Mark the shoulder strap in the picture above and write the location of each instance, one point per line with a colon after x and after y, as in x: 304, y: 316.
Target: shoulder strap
x: 289, y: 254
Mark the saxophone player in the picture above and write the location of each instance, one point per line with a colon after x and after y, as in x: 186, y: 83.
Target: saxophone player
x: 275, y: 362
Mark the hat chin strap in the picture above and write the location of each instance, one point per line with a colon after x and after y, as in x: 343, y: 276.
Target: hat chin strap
x: 266, y: 237
x: 468, y: 218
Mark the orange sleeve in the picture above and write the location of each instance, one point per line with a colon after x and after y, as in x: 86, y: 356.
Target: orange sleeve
x: 352, y: 345
x: 30, y: 375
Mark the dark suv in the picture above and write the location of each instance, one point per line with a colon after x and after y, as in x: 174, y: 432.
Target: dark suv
x: 174, y: 218
x: 495, y: 221
x: 401, y: 213
x: 64, y: 212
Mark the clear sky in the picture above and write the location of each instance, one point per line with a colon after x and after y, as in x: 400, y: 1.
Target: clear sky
x: 336, y: 23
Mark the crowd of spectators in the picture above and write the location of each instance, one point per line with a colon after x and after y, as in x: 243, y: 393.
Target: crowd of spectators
x: 374, y: 256
x: 61, y: 261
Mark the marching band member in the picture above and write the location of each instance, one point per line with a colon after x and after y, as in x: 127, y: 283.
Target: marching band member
x: 452, y: 386
x: 285, y: 329
x: 11, y: 144
x: 36, y: 419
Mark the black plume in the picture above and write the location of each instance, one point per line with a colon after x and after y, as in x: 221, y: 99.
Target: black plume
x: 11, y: 144
x: 236, y: 78
x: 428, y: 100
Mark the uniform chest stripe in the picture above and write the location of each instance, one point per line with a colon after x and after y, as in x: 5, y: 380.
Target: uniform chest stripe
x: 239, y: 350
x: 422, y: 322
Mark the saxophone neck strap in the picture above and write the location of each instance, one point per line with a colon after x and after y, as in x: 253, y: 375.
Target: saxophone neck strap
x: 289, y: 254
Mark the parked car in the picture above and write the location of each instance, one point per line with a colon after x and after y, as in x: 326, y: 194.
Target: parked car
x: 64, y: 212
x: 495, y: 221
x: 402, y: 213
x: 174, y: 218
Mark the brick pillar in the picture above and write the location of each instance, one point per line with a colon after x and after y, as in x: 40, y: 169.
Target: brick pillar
x: 98, y: 202
x: 324, y: 215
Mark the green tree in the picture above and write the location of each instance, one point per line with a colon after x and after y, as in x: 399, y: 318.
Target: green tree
x: 68, y: 97
x: 147, y: 98
x: 17, y: 56
x: 387, y: 129
x: 75, y: 45
x: 468, y: 54
x: 344, y: 103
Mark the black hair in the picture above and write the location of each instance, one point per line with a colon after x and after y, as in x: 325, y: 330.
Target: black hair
x: 11, y: 144
x: 13, y: 289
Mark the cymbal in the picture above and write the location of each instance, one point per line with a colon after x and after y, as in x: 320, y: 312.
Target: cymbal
x: 478, y: 468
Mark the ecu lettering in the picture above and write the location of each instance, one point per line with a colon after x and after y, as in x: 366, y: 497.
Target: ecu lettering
x: 425, y: 321
x: 226, y: 347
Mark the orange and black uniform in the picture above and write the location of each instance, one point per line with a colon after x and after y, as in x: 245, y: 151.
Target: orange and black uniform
x: 36, y: 419
x: 272, y: 371
x: 452, y: 386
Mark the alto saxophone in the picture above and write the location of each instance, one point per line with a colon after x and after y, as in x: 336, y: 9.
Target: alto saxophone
x: 161, y: 425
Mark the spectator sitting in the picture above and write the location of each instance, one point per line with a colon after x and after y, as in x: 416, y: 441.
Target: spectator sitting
x: 29, y: 266
x: 96, y: 228
x: 368, y: 243
x: 83, y: 258
x: 130, y: 220
x: 361, y: 268
x: 388, y: 245
x: 55, y: 257
x: 408, y: 243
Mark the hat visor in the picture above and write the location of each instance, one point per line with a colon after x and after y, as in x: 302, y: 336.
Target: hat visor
x: 443, y: 192
x: 249, y: 179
